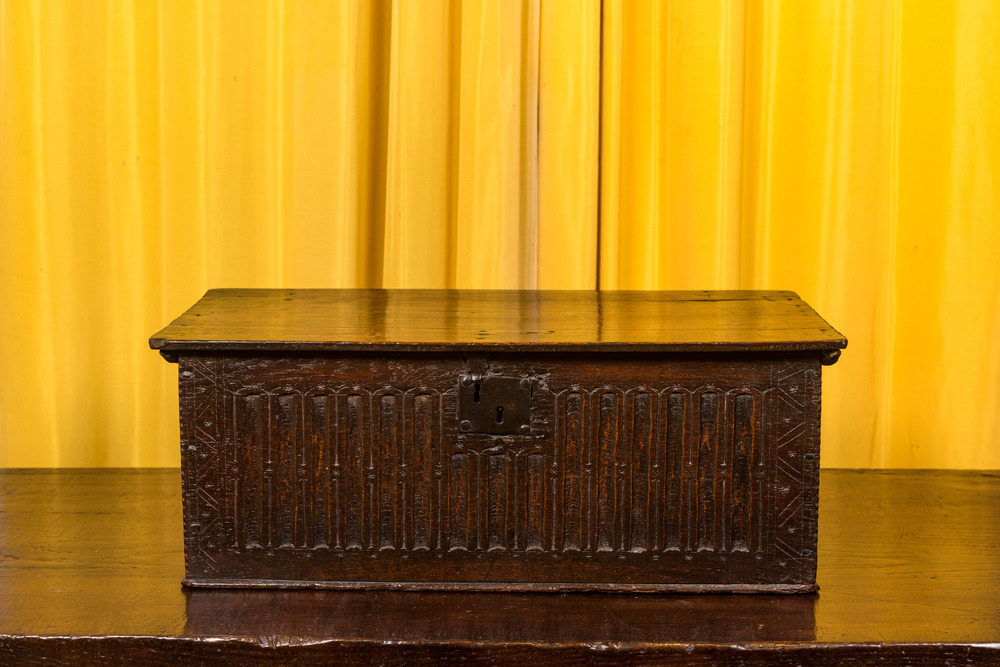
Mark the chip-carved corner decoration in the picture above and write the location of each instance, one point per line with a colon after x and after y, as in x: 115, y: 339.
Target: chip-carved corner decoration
x: 795, y: 436
x: 201, y: 442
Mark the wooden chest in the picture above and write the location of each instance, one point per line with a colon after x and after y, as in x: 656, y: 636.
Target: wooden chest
x: 520, y: 440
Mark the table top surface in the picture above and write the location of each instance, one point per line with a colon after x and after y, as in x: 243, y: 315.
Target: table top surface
x: 907, y: 560
x: 430, y: 320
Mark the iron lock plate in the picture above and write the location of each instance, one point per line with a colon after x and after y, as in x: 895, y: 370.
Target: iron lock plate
x: 494, y: 405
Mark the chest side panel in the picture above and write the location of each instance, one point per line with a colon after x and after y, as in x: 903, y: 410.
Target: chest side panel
x: 635, y: 471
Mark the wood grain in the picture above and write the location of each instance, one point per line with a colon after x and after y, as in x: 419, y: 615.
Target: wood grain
x: 351, y: 471
x: 654, y: 440
x: 435, y: 320
x: 90, y: 561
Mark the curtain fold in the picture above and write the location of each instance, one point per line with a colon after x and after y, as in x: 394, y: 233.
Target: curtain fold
x: 672, y: 125
x: 849, y: 151
x: 569, y: 117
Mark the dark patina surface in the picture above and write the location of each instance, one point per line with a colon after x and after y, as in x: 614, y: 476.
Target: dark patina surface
x: 454, y: 440
x: 90, y: 563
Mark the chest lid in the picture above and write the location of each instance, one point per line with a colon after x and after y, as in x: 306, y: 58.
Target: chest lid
x: 407, y: 320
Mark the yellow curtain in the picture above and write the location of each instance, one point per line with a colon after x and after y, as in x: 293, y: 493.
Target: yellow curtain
x: 846, y: 150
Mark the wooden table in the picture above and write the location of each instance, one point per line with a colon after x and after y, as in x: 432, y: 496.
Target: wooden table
x: 91, y: 563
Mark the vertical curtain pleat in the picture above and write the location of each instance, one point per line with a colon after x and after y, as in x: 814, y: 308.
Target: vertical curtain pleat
x: 818, y: 135
x: 844, y: 150
x: 460, y: 183
x: 568, y: 144
x: 420, y: 208
x: 672, y: 127
x: 26, y: 312
x: 849, y: 151
x: 945, y: 375
x: 492, y: 249
x: 327, y: 96
x: 973, y: 242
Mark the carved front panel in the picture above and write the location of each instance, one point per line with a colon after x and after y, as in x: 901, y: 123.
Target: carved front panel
x: 337, y: 469
x: 298, y: 456
x: 649, y: 469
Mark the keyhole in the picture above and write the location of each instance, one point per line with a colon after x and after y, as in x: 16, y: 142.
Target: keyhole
x: 500, y: 414
x: 475, y: 395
